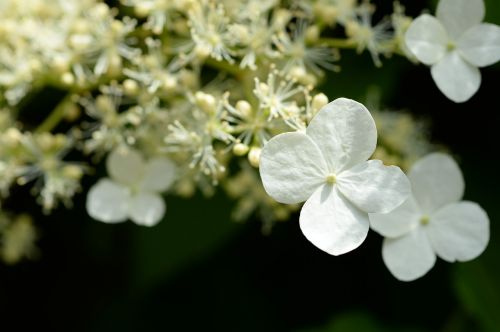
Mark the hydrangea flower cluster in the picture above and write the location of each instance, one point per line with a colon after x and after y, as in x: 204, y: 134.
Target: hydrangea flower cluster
x: 170, y: 94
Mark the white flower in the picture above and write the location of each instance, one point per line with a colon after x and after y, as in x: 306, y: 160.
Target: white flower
x: 455, y: 45
x: 133, y: 190
x: 433, y: 221
x: 328, y: 167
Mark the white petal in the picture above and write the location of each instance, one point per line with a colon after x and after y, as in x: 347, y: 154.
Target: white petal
x: 147, y: 209
x: 459, y: 15
x: 332, y: 223
x: 480, y: 45
x: 397, y: 222
x: 410, y: 256
x: 436, y: 181
x: 108, y: 202
x: 374, y: 187
x: 457, y: 79
x: 459, y: 231
x: 291, y: 167
x: 159, y: 174
x: 125, y: 166
x: 427, y: 39
x: 345, y: 132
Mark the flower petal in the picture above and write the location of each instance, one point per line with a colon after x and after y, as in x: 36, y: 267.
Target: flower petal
x: 480, y: 45
x: 291, y: 167
x: 374, y: 187
x: 108, y: 201
x: 345, y: 133
x: 457, y: 79
x: 459, y: 231
x: 436, y: 181
x: 397, y: 222
x: 458, y: 16
x: 332, y: 223
x: 147, y: 209
x: 125, y: 166
x: 427, y: 39
x: 159, y: 174
x: 410, y: 256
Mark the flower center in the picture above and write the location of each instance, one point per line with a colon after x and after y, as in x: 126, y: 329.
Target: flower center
x: 451, y: 46
x: 331, y: 178
x: 424, y: 220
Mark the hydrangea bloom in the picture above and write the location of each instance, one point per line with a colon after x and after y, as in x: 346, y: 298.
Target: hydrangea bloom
x: 327, y: 166
x: 133, y: 190
x: 432, y: 221
x: 455, y: 44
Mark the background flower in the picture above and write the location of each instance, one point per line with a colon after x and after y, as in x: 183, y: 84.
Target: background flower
x: 455, y: 44
x: 433, y: 221
x: 133, y: 190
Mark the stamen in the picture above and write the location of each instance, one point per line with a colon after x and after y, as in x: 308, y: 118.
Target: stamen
x: 331, y: 178
x: 425, y: 220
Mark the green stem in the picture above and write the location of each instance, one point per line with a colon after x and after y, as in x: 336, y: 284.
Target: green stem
x: 338, y: 43
x: 54, y: 118
x: 225, y: 66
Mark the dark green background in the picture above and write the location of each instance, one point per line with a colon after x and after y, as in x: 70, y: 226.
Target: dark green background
x: 199, y: 271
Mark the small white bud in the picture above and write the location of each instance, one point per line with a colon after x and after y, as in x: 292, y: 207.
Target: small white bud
x: 169, y: 83
x: 205, y: 101
x: 201, y: 52
x: 240, y: 149
x: 143, y: 9
x: 319, y: 101
x: 244, y: 108
x: 254, y: 156
x: 130, y: 86
x: 67, y: 78
x: 312, y: 34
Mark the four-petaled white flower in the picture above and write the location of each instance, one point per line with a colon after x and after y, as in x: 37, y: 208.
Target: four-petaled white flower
x: 328, y: 167
x: 433, y: 221
x: 455, y: 45
x: 133, y: 190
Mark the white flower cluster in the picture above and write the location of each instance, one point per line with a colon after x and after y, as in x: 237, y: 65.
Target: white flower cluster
x: 327, y: 167
x: 175, y: 95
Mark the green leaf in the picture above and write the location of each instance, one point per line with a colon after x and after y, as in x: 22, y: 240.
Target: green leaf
x: 477, y: 287
x: 355, y: 321
x: 191, y: 230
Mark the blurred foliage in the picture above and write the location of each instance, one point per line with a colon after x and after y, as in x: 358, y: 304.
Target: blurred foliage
x: 357, y: 321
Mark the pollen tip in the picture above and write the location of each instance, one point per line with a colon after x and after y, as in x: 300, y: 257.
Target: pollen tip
x: 424, y: 220
x: 331, y: 178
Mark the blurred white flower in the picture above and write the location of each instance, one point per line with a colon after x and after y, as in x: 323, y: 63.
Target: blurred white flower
x: 133, y: 190
x: 432, y: 221
x: 328, y: 167
x: 455, y: 44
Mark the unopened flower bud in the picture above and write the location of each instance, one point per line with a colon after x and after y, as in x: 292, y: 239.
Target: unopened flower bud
x: 143, y: 9
x: 244, y: 108
x: 312, y: 34
x: 67, y: 78
x: 254, y: 156
x: 131, y: 87
x: 72, y: 172
x: 205, y: 101
x: 319, y: 101
x: 240, y: 149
